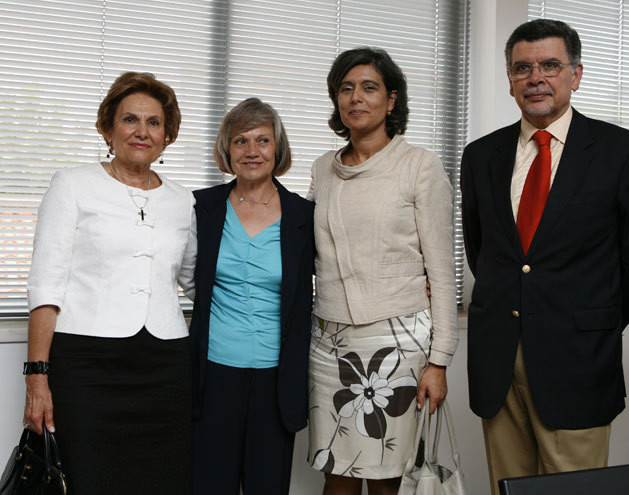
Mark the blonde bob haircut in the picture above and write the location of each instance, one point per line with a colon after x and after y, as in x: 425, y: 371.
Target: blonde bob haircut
x: 247, y: 115
x: 130, y: 83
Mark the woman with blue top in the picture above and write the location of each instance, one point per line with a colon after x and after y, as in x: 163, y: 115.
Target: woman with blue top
x: 250, y: 325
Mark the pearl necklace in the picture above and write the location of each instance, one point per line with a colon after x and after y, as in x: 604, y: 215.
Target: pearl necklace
x: 140, y: 208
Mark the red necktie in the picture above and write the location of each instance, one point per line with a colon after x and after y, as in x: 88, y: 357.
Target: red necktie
x: 535, y: 191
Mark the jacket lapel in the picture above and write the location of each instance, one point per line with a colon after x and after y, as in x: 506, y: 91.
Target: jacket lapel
x: 501, y: 170
x: 292, y: 239
x: 211, y: 209
x: 575, y: 159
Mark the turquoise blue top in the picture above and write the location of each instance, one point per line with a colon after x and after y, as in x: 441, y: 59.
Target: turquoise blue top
x: 245, y: 329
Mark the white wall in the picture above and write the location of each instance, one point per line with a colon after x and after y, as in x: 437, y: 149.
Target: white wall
x: 11, y: 397
x: 491, y: 107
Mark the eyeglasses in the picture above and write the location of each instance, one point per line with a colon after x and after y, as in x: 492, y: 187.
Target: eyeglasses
x: 547, y: 68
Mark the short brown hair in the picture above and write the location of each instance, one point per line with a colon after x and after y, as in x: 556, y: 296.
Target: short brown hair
x: 130, y: 83
x: 247, y: 115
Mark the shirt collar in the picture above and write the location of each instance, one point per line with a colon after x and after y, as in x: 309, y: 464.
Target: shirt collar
x: 559, y: 128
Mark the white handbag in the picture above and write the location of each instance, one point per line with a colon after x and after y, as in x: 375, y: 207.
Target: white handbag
x: 432, y: 478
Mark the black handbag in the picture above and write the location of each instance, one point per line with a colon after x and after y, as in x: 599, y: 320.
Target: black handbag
x: 34, y: 467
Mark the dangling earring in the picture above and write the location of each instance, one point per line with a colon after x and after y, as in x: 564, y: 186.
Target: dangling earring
x: 110, y: 151
x: 161, y: 155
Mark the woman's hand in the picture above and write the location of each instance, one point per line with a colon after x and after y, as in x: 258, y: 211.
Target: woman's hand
x: 38, y: 407
x: 434, y: 385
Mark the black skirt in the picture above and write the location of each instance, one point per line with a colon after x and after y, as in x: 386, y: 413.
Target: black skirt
x: 122, y: 412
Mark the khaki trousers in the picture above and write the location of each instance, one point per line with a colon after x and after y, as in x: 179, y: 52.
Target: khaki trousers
x: 519, y: 444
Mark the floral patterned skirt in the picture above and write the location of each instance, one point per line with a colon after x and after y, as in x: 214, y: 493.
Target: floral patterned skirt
x: 363, y: 389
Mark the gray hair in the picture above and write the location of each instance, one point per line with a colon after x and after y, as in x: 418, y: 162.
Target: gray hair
x: 247, y: 115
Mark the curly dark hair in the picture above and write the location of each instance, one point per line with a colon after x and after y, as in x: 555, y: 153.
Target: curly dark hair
x: 392, y: 76
x: 540, y: 29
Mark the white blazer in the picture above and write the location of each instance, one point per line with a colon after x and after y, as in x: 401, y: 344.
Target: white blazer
x: 110, y: 272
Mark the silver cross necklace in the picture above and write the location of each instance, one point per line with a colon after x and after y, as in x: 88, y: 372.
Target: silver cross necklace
x: 140, y: 208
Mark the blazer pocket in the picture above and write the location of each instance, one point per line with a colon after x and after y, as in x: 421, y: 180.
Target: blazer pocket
x: 597, y: 319
x: 401, y: 269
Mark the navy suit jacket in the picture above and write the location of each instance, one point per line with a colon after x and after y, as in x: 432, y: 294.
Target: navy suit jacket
x: 569, y: 309
x: 297, y: 245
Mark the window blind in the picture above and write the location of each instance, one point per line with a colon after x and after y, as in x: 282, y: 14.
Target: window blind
x: 603, y: 27
x: 59, y: 57
x: 282, y: 51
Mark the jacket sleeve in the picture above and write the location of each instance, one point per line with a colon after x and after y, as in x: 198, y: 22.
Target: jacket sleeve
x: 623, y: 198
x: 186, y: 273
x: 311, y: 189
x: 53, y: 244
x: 471, y: 220
x: 434, y: 221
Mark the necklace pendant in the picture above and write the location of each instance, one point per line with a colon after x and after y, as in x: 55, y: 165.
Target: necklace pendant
x: 141, y: 213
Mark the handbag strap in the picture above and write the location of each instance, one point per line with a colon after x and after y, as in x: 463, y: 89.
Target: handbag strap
x: 54, y: 452
x: 423, y: 424
x: 51, y: 451
x: 25, y: 439
x: 438, y: 415
x: 421, y: 419
x: 444, y: 409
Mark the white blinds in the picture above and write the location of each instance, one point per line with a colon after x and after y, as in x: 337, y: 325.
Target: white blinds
x: 58, y: 58
x: 281, y: 52
x: 603, y: 27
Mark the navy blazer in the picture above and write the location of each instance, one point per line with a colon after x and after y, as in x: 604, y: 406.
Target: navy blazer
x: 567, y: 299
x: 297, y: 245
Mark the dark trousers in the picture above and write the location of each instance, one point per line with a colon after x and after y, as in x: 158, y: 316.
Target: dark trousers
x: 240, y: 438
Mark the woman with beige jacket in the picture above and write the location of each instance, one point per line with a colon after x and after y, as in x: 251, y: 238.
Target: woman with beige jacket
x: 383, y: 227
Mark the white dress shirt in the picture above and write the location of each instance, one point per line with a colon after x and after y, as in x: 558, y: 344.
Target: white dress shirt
x: 527, y: 151
x: 110, y: 272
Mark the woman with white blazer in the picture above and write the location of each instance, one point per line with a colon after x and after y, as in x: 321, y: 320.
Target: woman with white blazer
x: 108, y: 353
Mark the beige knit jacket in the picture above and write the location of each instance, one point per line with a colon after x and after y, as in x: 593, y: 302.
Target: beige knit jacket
x: 381, y: 228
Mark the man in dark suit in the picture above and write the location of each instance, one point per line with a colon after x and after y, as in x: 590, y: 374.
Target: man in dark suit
x: 546, y: 224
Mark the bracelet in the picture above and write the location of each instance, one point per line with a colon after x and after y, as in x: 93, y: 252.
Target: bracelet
x: 36, y: 368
